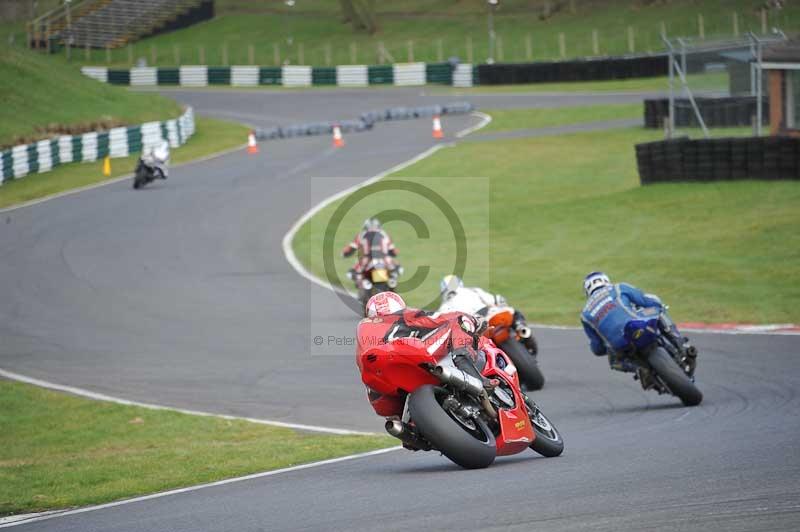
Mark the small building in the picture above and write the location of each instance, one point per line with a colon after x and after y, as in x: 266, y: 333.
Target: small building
x: 782, y: 65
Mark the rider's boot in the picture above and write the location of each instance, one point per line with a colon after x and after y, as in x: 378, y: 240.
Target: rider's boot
x: 465, y: 361
x: 623, y: 364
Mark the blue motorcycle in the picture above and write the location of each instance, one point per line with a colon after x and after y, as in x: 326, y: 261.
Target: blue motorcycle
x: 665, y: 360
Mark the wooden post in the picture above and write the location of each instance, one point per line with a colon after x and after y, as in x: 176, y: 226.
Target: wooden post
x: 410, y: 50
x: 353, y: 53
x: 153, y: 55
x: 528, y: 48
x: 47, y: 38
x: 108, y: 54
x: 663, y: 29
x: 328, y: 54
x: 562, y: 45
x: 499, y: 45
x: 735, y: 24
x: 701, y: 29
x: 130, y: 54
x: 201, y: 54
x: 631, y: 41
x: 380, y: 52
x: 177, y: 52
x: 469, y: 49
x: 276, y: 54
x: 225, y: 54
x: 301, y: 59
x: 439, y: 51
x: 763, y: 21
x: 251, y: 54
x: 595, y: 43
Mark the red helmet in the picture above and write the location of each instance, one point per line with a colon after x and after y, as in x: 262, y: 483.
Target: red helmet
x: 384, y: 303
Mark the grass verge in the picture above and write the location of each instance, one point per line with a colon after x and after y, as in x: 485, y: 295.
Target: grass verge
x: 41, y: 94
x: 211, y: 136
x: 60, y: 451
x: 526, y: 30
x: 562, y: 206
x: 510, y: 119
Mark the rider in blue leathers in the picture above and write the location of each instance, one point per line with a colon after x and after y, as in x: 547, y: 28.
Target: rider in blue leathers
x: 608, y: 309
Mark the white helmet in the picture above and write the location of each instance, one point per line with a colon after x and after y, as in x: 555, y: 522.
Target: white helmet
x: 593, y: 281
x: 384, y: 303
x: 449, y: 284
x: 372, y: 224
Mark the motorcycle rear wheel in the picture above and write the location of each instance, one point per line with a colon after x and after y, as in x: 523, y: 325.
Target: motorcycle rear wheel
x: 527, y: 367
x: 673, y: 376
x: 548, y: 440
x: 469, y: 448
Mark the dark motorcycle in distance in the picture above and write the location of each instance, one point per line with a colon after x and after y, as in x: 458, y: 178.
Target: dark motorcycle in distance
x: 152, y: 165
x: 378, y: 276
x: 666, y: 361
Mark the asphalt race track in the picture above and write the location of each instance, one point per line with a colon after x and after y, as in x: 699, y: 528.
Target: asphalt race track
x: 180, y: 294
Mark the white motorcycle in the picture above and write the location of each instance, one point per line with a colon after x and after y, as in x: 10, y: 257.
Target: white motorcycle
x: 152, y: 165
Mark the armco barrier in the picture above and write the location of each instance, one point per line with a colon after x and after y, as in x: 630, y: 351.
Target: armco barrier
x: 767, y: 158
x: 43, y: 155
x: 732, y: 111
x: 594, y: 69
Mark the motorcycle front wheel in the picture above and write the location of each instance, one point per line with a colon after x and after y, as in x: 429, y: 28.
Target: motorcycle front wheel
x: 466, y: 441
x: 548, y: 440
x: 673, y: 376
x: 527, y: 367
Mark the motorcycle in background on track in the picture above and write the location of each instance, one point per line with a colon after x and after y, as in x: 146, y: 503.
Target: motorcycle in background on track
x: 378, y: 276
x: 153, y: 164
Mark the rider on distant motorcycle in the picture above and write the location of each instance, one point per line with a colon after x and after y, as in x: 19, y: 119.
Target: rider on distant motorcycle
x: 372, y: 241
x: 456, y: 296
x: 609, y: 309
x: 403, y: 322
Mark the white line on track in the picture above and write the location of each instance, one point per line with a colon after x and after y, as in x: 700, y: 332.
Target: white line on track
x: 108, y: 398
x: 31, y: 518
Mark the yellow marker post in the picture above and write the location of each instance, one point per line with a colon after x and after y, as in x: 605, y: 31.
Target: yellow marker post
x: 107, y: 166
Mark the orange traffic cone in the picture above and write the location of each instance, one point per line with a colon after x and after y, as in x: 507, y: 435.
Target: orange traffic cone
x: 338, y: 141
x: 437, y: 128
x: 252, y: 147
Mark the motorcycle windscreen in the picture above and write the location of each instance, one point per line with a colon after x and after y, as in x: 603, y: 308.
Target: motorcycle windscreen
x: 641, y: 333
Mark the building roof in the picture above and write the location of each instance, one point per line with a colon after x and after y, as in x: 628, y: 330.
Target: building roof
x: 784, y: 52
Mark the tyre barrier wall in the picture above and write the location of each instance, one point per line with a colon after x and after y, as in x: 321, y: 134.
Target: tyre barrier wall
x: 589, y: 69
x: 400, y: 74
x: 731, y: 111
x: 44, y: 155
x: 364, y: 122
x: 767, y: 158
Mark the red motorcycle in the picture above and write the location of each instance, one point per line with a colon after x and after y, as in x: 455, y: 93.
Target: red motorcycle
x: 446, y: 409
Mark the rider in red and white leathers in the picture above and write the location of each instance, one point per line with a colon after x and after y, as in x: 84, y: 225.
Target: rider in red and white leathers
x: 398, y: 321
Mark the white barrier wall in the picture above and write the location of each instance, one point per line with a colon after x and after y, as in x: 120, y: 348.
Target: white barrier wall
x: 296, y: 76
x: 65, y: 149
x: 352, y: 76
x: 19, y: 156
x: 244, y: 76
x: 45, y: 155
x: 409, y: 74
x: 118, y: 142
x: 193, y: 76
x: 462, y: 75
x: 144, y: 76
x: 98, y: 73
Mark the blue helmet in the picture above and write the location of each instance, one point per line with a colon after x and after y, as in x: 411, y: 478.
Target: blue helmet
x: 593, y: 281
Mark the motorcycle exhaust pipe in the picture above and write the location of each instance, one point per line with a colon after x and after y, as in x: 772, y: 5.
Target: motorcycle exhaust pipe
x: 459, y: 379
x: 400, y: 430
